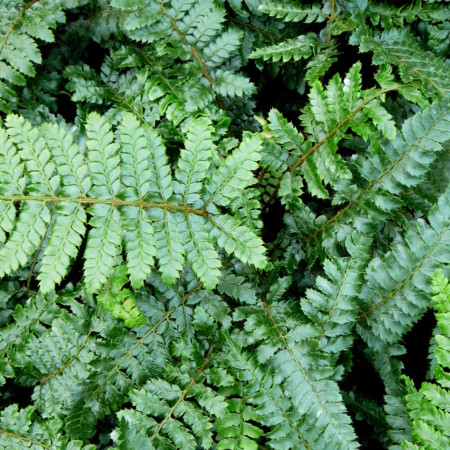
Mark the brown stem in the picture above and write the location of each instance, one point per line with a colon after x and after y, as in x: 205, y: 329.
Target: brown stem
x: 110, y: 201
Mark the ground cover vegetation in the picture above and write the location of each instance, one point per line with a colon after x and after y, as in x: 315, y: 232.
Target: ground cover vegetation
x: 224, y: 224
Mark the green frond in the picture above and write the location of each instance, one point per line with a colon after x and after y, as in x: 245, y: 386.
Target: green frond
x: 307, y: 382
x: 234, y: 175
x: 293, y: 11
x: 12, y: 182
x: 194, y: 32
x: 237, y: 288
x: 221, y: 227
x: 340, y: 107
x: 235, y: 430
x: 194, y: 161
x: 297, y: 48
x: 22, y: 429
x: 201, y: 253
x: 399, y: 47
x: 112, y: 360
x: 396, y: 292
x: 66, y: 237
x: 34, y: 314
x: 263, y: 403
x: 248, y: 247
x: 229, y: 84
x: 400, y: 165
x: 169, y: 245
x: 333, y: 307
x: 426, y: 194
x: 390, y: 16
x: 102, y: 153
x: 247, y: 208
x: 368, y: 409
x: 320, y: 63
x: 174, y: 413
x: 22, y: 25
x: 25, y: 237
x: 103, y: 245
x: 68, y: 159
x: 287, y: 137
x: 290, y: 190
x: 85, y: 84
x: 34, y: 153
x: 126, y: 193
x: 220, y: 50
x: 381, y: 119
x: 428, y: 408
x: 390, y: 368
x: 140, y: 244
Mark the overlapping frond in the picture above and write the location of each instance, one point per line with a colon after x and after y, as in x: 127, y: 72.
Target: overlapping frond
x: 22, y: 26
x: 294, y: 11
x: 334, y: 307
x: 397, y: 288
x: 192, y: 31
x: 306, y: 379
x: 176, y: 412
x: 318, y: 53
x: 22, y: 428
x: 139, y: 307
x: 398, y: 167
x: 428, y: 408
x: 297, y: 48
x: 332, y: 112
x: 399, y: 47
x: 263, y: 403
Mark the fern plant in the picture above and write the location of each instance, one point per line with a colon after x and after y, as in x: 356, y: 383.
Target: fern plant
x: 224, y: 224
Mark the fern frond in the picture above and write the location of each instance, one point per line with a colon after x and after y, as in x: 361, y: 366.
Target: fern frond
x: 390, y: 16
x: 114, y: 360
x: 248, y: 209
x: 21, y: 429
x: 237, y: 288
x: 294, y: 12
x: 390, y: 368
x: 174, y: 412
x: 263, y: 403
x: 297, y: 48
x: 305, y: 46
x: 129, y: 188
x: 396, y: 294
x: 22, y: 25
x: 177, y: 272
x: 343, y: 105
x: 121, y: 360
x: 334, y: 307
x: 398, y: 47
x: 121, y: 302
x: 303, y: 375
x: 194, y: 161
x: 401, y: 165
x: 34, y: 314
x: 428, y: 408
x: 194, y: 32
x: 367, y: 409
x: 12, y: 182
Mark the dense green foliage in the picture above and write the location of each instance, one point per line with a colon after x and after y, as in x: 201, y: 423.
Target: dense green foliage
x: 220, y: 220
